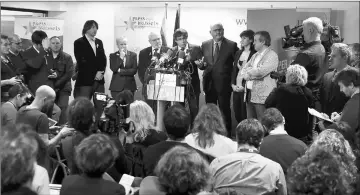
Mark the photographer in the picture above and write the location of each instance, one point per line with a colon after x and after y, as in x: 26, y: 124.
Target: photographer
x: 81, y: 117
x: 17, y: 95
x: 312, y: 56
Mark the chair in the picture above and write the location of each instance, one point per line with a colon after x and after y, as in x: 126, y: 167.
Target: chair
x: 59, y: 163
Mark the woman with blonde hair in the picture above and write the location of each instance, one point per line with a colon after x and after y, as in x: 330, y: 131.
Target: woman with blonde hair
x: 293, y: 99
x: 209, y: 132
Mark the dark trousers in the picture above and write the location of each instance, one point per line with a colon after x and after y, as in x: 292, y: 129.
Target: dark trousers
x: 239, y: 106
x: 62, y: 100
x: 88, y: 91
x: 223, y: 100
x: 193, y: 103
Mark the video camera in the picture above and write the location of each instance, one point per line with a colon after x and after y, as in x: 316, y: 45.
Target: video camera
x: 294, y: 37
x: 113, y: 118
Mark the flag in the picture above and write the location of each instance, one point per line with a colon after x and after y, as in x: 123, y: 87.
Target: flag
x: 163, y: 28
x: 177, y: 23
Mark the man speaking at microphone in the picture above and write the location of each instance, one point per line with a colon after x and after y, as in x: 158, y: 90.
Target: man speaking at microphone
x: 150, y: 56
x: 187, y: 54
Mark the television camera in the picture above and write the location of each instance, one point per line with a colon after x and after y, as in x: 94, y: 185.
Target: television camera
x: 114, y: 115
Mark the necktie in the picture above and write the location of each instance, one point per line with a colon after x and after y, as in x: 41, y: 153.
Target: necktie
x: 216, y: 52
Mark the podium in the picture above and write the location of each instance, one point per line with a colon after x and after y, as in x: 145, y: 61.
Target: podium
x: 165, y: 88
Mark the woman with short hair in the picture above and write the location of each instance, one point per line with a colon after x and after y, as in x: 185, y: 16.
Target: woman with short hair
x: 293, y: 99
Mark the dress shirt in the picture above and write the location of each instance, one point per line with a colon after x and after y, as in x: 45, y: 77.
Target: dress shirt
x: 92, y: 42
x: 124, y: 60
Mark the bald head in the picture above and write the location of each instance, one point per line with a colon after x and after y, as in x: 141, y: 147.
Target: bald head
x: 45, y: 91
x: 155, y: 40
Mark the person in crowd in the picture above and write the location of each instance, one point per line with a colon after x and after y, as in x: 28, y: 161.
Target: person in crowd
x: 349, y: 83
x: 62, y: 65
x: 179, y: 171
x: 317, y: 172
x: 143, y: 135
x: 15, y: 53
x: 218, y: 59
x: 8, y: 70
x: 94, y: 155
x: 278, y: 145
x: 256, y: 73
x: 123, y: 64
x: 241, y: 57
x: 312, y: 56
x: 293, y: 100
x: 91, y: 62
x: 331, y: 98
x: 37, y: 71
x: 9, y: 109
x: 355, y: 55
x: 147, y: 57
x: 209, y: 133
x: 81, y: 113
x: 38, y: 120
x: 246, y: 171
x: 192, y: 54
x: 335, y: 142
x: 177, y: 124
x: 17, y: 159
x: 40, y: 182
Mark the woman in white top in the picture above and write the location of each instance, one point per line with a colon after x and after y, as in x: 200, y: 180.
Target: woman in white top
x: 208, y: 133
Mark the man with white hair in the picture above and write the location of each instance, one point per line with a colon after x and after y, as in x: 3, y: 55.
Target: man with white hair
x: 123, y: 63
x: 15, y: 52
x: 312, y: 56
x: 146, y: 57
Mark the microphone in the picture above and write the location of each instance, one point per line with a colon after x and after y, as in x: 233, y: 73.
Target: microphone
x: 154, y: 60
x: 181, y: 58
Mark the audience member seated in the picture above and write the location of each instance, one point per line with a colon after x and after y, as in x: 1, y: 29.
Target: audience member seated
x: 355, y: 55
x: 143, y: 135
x: 278, y: 145
x: 292, y: 100
x: 9, y: 109
x: 246, y: 171
x: 38, y: 120
x: 177, y: 123
x: 93, y: 156
x: 318, y: 172
x: 80, y: 116
x: 180, y: 171
x: 209, y: 133
x: 17, y: 159
x: 333, y: 141
x: 349, y: 83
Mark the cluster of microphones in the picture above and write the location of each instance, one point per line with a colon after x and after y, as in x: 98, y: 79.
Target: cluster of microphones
x: 168, y: 60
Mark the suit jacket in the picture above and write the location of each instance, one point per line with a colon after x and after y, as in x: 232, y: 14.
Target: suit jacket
x: 194, y: 54
x: 36, y: 68
x: 331, y: 98
x: 18, y: 61
x: 263, y: 84
x: 145, y: 56
x: 64, y: 68
x: 88, y: 64
x: 79, y: 185
x: 236, y: 68
x: 125, y: 78
x: 218, y: 72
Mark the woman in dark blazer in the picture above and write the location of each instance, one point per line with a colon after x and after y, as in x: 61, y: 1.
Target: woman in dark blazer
x: 292, y: 99
x: 241, y: 56
x: 123, y: 63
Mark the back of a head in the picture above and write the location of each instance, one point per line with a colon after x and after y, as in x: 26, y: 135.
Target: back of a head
x: 18, y: 157
x: 125, y: 97
x: 272, y: 118
x: 296, y: 75
x: 81, y: 113
x: 316, y: 23
x: 249, y: 131
x: 182, y: 170
x: 318, y: 172
x: 95, y: 154
x: 177, y: 122
x: 44, y: 91
x: 17, y: 90
x: 38, y: 36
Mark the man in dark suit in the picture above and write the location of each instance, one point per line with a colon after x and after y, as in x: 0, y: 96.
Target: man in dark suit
x: 193, y: 53
x: 15, y: 52
x: 146, y: 57
x: 219, y: 54
x: 123, y: 63
x: 62, y: 65
x: 91, y: 61
x: 331, y: 98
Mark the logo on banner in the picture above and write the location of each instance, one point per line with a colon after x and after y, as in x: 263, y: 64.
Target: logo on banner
x: 41, y: 25
x: 241, y: 22
x: 140, y: 22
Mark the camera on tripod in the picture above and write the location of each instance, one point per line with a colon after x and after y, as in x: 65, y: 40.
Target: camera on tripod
x: 114, y: 115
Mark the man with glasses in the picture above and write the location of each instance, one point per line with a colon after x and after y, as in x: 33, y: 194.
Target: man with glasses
x: 62, y: 67
x: 15, y: 53
x: 148, y: 56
